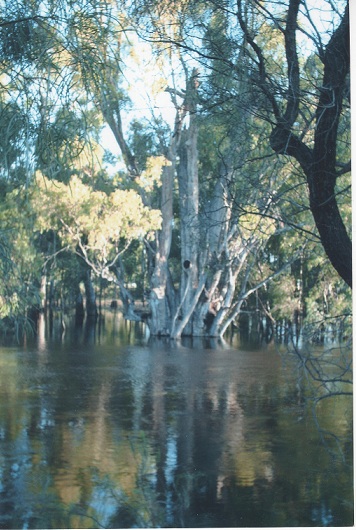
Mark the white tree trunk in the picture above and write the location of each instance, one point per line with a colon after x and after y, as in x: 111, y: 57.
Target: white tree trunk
x: 188, y: 182
x: 162, y: 297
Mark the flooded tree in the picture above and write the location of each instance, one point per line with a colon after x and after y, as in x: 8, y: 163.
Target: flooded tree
x: 248, y: 88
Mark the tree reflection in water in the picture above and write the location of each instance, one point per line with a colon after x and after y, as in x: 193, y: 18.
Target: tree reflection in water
x: 109, y: 431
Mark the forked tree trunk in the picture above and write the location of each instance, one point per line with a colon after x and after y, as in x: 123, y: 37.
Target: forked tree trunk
x: 216, y: 219
x: 168, y: 312
x: 162, y: 296
x: 188, y: 183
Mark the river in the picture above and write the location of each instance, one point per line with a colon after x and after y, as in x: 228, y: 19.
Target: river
x: 112, y: 430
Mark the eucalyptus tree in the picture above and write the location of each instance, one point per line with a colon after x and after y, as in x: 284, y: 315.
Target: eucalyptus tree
x: 20, y: 262
x: 238, y: 77
x: 47, y: 115
x: 218, y: 250
x: 294, y: 58
x: 310, y: 109
x: 36, y: 81
x: 220, y: 238
x: 97, y: 226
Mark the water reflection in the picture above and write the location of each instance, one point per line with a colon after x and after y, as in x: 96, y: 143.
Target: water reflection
x: 109, y: 431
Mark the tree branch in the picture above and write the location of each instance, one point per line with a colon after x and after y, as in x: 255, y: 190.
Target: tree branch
x: 293, y: 95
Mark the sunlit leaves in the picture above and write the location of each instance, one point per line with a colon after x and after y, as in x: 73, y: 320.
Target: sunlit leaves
x: 96, y: 225
x: 67, y: 67
x: 151, y: 176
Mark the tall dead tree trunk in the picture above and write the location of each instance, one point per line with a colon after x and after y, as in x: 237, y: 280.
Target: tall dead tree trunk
x: 168, y: 308
x: 188, y: 183
x: 162, y: 297
x: 215, y: 221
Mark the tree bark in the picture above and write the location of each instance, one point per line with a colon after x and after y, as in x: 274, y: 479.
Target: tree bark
x: 319, y: 162
x: 43, y: 293
x: 162, y: 296
x: 188, y: 182
x: 90, y: 306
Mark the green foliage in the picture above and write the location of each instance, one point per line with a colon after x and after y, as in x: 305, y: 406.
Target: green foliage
x: 20, y: 263
x: 142, y: 141
x: 99, y: 227
x: 14, y: 166
x: 60, y: 144
x: 63, y: 74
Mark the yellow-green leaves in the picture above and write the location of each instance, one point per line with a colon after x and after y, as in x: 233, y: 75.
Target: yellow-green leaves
x: 151, y: 177
x: 96, y: 225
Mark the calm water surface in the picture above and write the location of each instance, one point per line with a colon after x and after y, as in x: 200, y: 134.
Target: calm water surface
x: 115, y: 432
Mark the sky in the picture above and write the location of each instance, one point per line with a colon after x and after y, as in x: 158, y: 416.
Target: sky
x: 145, y: 78
x: 145, y: 83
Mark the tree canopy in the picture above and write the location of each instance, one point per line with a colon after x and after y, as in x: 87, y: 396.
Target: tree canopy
x: 226, y: 183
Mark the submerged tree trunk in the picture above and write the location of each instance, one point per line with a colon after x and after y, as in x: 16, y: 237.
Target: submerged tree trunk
x: 166, y: 309
x: 43, y: 293
x: 90, y: 306
x: 188, y: 183
x: 215, y: 220
x: 126, y: 298
x: 79, y: 309
x: 217, y: 260
x: 162, y: 297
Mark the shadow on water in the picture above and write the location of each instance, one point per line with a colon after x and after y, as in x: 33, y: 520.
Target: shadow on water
x: 104, y: 427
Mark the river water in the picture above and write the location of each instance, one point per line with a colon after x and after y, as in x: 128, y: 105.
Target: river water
x: 111, y: 430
